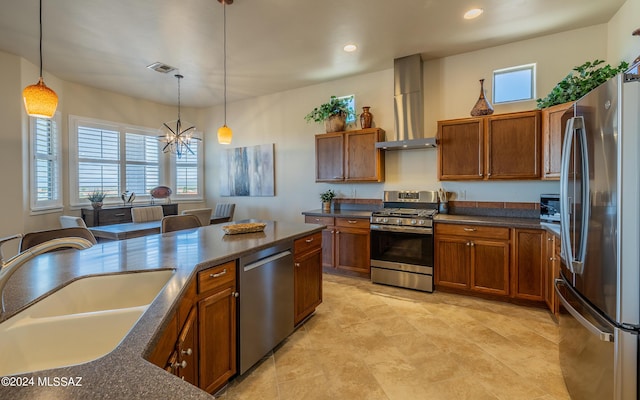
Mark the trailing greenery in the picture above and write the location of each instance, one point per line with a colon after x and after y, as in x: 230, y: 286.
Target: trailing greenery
x: 580, y: 81
x: 327, y: 196
x: 96, y: 196
x: 335, y: 106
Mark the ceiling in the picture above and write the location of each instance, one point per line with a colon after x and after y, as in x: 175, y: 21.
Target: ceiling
x: 272, y: 45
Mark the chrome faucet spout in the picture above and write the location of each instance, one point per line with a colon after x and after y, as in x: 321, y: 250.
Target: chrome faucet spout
x: 15, y: 262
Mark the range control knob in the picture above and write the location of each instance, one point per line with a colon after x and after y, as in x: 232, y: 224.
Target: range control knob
x: 385, y: 220
x: 421, y: 222
x: 413, y: 222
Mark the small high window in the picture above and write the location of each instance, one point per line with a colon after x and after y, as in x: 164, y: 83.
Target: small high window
x: 514, y: 84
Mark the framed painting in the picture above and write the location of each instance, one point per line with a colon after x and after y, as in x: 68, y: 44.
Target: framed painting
x: 248, y: 171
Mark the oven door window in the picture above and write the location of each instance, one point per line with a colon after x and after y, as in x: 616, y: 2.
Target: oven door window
x: 408, y: 248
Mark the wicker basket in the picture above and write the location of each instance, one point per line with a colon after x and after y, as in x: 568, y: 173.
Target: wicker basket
x: 244, y: 228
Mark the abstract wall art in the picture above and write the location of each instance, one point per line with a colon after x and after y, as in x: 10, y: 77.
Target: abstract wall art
x: 248, y: 171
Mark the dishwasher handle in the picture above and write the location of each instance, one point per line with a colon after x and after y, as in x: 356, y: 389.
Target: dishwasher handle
x: 266, y: 260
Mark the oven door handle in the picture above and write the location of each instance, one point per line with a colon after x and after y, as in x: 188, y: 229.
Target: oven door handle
x: 401, y: 229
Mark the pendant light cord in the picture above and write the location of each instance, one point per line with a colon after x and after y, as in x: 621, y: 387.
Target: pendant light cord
x: 179, y: 77
x: 40, y: 38
x: 224, y: 56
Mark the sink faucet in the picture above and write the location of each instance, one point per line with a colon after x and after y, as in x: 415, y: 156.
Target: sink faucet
x: 11, y: 265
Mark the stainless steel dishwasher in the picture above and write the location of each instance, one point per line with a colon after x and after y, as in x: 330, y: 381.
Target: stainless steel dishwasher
x: 266, y: 302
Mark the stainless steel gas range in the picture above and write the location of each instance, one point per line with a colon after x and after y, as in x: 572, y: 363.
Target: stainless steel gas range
x: 402, y: 240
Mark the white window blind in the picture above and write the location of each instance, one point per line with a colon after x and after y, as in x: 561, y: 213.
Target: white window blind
x: 45, y: 166
x: 112, y: 158
x: 187, y: 172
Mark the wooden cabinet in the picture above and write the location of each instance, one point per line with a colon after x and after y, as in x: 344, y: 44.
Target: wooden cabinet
x: 528, y: 271
x: 187, y: 350
x: 505, y: 146
x: 350, y: 156
x: 217, y: 326
x: 472, y: 258
x: 307, y: 276
x: 345, y: 244
x: 117, y: 215
x: 554, y: 122
x: 551, y: 272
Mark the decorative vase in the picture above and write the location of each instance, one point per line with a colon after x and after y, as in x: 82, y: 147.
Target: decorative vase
x: 96, y: 204
x: 482, y: 107
x: 366, y: 118
x: 326, y: 206
x: 335, y: 123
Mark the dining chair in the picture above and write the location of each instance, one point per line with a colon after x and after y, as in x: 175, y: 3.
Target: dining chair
x: 69, y: 221
x: 172, y: 223
x: 34, y: 238
x: 225, y: 210
x: 146, y: 214
x: 203, y: 214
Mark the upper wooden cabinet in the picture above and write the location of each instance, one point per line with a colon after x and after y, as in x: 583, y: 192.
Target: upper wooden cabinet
x: 505, y: 146
x: 554, y: 122
x: 350, y: 156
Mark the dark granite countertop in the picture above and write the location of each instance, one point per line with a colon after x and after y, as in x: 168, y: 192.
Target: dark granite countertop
x: 339, y: 213
x: 124, y: 373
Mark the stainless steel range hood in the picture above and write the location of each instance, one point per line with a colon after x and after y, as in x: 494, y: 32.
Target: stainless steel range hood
x: 408, y: 107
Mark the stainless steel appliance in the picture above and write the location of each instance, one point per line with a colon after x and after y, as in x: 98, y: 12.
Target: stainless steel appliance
x: 402, y: 240
x: 266, y: 302
x: 550, y: 207
x: 600, y: 281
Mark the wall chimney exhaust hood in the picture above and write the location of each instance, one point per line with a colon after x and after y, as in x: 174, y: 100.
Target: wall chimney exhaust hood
x: 408, y: 106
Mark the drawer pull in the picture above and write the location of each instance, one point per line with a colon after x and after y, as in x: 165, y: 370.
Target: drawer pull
x: 352, y: 221
x: 118, y: 215
x: 470, y: 229
x: 309, y: 240
x: 219, y: 274
x: 317, y: 219
x: 297, y: 264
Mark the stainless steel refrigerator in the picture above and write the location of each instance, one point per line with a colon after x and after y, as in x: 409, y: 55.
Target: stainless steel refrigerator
x: 600, y: 219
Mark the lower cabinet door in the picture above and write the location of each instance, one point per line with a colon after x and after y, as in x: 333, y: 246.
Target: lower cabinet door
x: 352, y: 250
x: 217, y: 339
x: 187, y: 349
x: 528, y: 280
x: 307, y: 284
x: 490, y: 266
x: 452, y: 262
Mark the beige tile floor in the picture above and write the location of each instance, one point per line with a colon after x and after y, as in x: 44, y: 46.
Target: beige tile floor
x: 377, y: 342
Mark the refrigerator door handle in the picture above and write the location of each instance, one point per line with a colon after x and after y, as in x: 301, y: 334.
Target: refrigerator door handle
x: 566, y: 247
x: 602, y: 335
x: 578, y: 262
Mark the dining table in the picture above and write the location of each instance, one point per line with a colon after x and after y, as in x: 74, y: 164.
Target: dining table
x: 130, y: 230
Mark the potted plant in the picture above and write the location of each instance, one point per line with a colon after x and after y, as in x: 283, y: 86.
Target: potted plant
x: 96, y: 197
x: 326, y: 198
x: 334, y: 114
x: 579, y: 82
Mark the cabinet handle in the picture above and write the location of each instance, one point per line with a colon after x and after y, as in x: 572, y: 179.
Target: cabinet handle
x: 118, y: 215
x: 317, y: 219
x: 219, y: 274
x: 296, y: 264
x: 309, y: 240
x: 468, y: 243
x: 352, y: 221
x: 549, y: 239
x: 472, y: 244
x: 187, y: 352
x: 235, y: 294
x: 183, y: 364
x: 338, y: 177
x: 470, y: 229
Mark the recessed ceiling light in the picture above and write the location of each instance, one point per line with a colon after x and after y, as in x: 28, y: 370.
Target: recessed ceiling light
x: 350, y: 48
x: 473, y: 13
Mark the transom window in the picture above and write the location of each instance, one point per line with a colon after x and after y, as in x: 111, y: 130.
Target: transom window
x: 114, y: 158
x: 514, y: 84
x: 45, y: 150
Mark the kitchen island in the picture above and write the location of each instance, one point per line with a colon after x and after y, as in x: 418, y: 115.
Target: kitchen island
x: 124, y: 373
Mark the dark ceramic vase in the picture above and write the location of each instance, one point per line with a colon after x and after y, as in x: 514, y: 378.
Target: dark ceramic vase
x: 365, y: 118
x: 482, y: 107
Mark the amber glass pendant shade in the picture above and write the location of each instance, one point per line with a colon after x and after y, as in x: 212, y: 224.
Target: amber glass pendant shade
x: 39, y: 100
x: 225, y: 134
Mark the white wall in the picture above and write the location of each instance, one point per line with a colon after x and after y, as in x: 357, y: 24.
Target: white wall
x: 621, y: 45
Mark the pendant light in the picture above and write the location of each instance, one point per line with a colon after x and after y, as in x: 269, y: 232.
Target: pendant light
x: 225, y: 134
x: 39, y: 100
x: 176, y: 137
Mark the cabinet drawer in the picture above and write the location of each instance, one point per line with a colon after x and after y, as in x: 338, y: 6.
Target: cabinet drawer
x: 307, y: 243
x: 353, y: 222
x: 114, y: 216
x: 216, y: 277
x: 476, y: 231
x: 310, y: 219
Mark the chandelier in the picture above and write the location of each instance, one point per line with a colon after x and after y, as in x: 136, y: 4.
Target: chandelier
x: 178, y: 134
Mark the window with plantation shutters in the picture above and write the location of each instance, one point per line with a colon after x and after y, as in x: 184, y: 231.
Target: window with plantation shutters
x: 45, y: 164
x: 113, y: 158
x: 187, y: 176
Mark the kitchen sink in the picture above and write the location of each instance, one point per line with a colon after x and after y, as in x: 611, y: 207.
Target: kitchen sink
x: 103, y: 292
x: 81, y: 322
